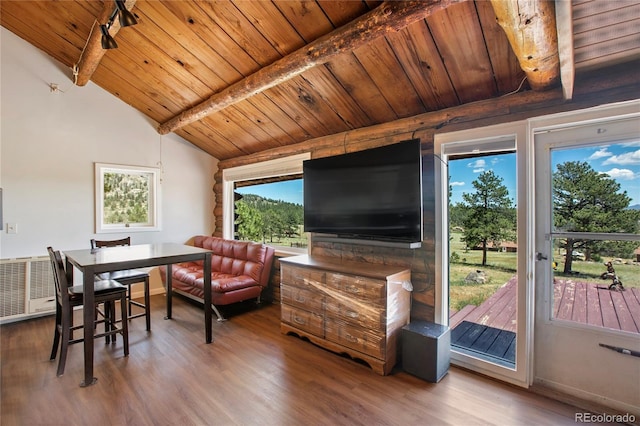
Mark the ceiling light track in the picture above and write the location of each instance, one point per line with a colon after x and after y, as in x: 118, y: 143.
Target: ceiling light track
x: 93, y: 50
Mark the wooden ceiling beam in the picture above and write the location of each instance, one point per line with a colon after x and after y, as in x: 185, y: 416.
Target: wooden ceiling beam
x: 530, y: 26
x: 390, y: 16
x: 564, y: 26
x: 93, y: 52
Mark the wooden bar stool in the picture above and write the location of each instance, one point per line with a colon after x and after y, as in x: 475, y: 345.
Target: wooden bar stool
x: 128, y: 277
x: 107, y: 293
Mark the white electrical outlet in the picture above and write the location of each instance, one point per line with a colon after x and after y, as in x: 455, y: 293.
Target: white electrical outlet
x: 12, y: 228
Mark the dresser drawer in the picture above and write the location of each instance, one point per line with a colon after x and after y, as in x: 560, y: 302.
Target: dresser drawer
x: 303, y: 320
x: 301, y: 277
x: 359, y: 339
x: 307, y: 299
x: 374, y: 291
x: 356, y: 312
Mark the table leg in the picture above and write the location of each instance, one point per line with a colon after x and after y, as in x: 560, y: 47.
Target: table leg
x: 88, y: 320
x: 169, y: 291
x: 207, y: 297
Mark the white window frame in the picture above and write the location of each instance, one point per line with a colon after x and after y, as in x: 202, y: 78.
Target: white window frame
x: 285, y: 166
x: 153, y: 224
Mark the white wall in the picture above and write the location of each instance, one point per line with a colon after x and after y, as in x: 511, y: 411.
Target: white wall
x: 49, y: 143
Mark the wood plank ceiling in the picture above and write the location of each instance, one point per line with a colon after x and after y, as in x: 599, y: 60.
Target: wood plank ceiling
x: 181, y: 53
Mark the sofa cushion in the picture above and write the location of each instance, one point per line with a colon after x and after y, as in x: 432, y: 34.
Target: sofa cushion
x: 191, y: 273
x: 234, y: 257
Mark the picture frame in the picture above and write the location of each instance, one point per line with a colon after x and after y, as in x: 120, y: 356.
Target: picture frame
x: 127, y: 198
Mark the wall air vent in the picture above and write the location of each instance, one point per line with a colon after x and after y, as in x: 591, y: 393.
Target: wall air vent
x: 26, y: 288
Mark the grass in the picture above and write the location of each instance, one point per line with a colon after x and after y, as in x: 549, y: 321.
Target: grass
x: 629, y: 274
x: 499, y: 269
x: 501, y: 266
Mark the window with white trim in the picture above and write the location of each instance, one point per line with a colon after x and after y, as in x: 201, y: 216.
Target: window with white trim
x: 272, y: 191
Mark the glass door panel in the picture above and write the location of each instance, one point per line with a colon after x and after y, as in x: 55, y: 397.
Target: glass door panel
x: 483, y: 230
x: 483, y: 263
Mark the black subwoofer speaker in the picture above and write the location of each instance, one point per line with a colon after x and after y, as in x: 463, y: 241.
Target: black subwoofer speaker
x: 426, y: 349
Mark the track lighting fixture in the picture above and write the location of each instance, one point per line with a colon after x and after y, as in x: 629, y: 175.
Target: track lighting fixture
x: 107, y: 41
x: 126, y: 17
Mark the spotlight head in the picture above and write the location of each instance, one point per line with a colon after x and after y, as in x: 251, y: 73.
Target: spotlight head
x: 107, y: 41
x: 126, y: 17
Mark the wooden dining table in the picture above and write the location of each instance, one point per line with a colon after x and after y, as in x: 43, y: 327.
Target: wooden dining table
x: 95, y: 261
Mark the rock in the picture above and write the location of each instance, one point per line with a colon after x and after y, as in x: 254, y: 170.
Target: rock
x: 476, y: 277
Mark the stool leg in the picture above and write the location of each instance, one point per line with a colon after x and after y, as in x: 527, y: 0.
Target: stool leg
x: 107, y: 323
x: 124, y: 328
x: 66, y: 336
x: 56, y: 335
x: 147, y: 303
x: 129, y: 299
x: 113, y: 321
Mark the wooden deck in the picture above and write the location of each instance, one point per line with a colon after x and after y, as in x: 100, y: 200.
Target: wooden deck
x: 498, y: 311
x: 596, y: 305
x: 489, y: 330
x: 581, y: 302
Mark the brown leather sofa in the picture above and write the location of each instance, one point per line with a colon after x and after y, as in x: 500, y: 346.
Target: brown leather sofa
x: 240, y: 270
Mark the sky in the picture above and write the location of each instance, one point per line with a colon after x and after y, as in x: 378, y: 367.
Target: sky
x: 463, y: 172
x: 289, y: 191
x: 619, y: 161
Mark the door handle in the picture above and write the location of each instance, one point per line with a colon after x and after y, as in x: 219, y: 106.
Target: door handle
x: 621, y: 350
x: 540, y: 256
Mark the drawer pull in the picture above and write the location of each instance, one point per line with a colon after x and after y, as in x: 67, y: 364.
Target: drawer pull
x: 352, y: 314
x: 351, y: 338
x: 299, y: 320
x: 299, y: 298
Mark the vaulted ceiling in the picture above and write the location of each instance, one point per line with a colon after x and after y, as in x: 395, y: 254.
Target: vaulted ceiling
x: 239, y: 77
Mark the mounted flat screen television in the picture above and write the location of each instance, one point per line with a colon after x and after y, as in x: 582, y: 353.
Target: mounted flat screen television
x: 371, y: 195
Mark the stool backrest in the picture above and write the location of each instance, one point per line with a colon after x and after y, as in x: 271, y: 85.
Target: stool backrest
x: 59, y: 277
x: 110, y: 243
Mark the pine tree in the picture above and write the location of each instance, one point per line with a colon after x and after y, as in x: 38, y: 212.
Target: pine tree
x: 587, y: 201
x: 490, y: 215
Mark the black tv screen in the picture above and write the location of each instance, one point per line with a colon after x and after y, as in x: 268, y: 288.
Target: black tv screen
x: 373, y: 194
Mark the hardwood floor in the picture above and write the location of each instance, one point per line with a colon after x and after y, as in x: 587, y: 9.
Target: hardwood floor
x: 251, y: 374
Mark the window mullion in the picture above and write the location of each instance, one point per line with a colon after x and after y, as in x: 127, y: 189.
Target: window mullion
x: 599, y: 236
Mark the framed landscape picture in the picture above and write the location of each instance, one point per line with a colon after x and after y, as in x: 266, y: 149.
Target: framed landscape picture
x: 127, y: 198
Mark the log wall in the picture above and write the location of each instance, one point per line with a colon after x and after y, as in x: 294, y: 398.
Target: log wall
x: 620, y: 84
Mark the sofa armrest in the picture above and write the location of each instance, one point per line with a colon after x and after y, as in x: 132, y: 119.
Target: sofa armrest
x: 266, y: 268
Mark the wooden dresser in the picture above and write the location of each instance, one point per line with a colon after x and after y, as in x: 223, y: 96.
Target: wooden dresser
x: 346, y: 307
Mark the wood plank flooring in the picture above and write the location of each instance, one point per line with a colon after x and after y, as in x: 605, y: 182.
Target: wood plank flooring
x: 250, y: 375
